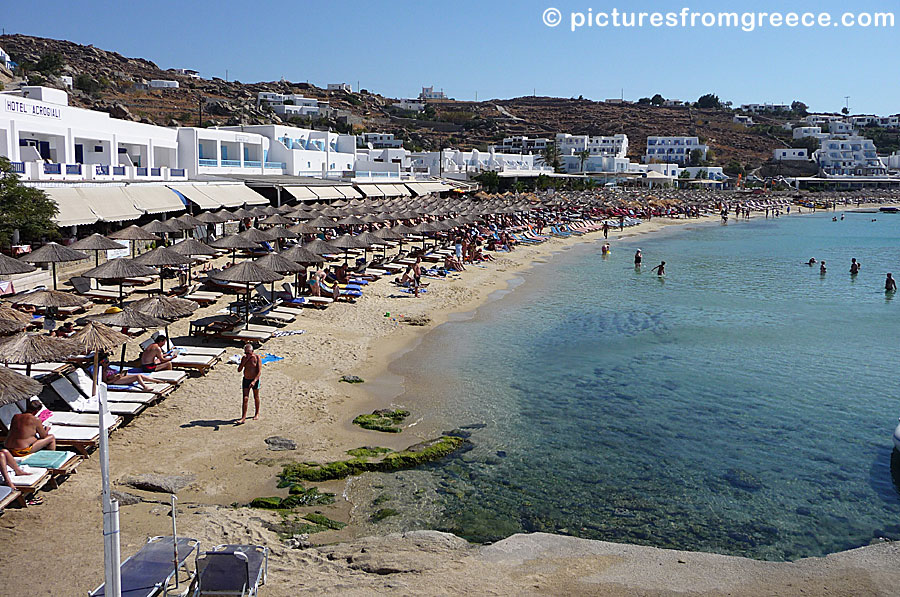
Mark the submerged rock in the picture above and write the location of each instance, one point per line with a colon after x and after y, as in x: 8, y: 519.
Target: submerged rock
x: 351, y: 379
x: 383, y: 420
x: 742, y: 479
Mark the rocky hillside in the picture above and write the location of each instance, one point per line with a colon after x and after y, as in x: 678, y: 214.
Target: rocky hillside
x: 111, y: 82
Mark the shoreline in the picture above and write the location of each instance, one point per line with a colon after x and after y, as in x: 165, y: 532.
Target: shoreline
x: 303, y: 400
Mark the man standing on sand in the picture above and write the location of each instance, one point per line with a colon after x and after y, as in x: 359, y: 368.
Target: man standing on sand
x: 251, y: 365
x: 605, y: 229
x: 27, y: 434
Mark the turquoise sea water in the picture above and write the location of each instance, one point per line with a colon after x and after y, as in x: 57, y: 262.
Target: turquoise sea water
x: 742, y: 405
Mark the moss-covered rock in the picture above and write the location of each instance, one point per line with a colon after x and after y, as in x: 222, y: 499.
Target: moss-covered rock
x: 269, y: 503
x: 299, y: 496
x: 324, y: 521
x: 383, y: 513
x: 368, y: 452
x: 411, y: 457
x: 383, y: 420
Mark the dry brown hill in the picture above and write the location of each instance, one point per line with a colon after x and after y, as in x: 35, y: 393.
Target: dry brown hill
x: 111, y: 82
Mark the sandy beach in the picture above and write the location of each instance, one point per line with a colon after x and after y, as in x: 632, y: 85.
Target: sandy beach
x: 58, y: 546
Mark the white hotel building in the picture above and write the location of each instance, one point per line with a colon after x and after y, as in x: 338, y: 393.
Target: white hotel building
x: 522, y: 144
x: 615, y: 146
x: 673, y: 149
x: 851, y: 156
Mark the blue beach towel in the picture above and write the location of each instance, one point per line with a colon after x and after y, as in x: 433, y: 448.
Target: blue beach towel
x: 45, y: 459
x: 270, y: 358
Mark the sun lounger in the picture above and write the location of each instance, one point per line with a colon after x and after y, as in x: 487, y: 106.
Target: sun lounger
x: 83, y: 287
x: 60, y: 463
x: 80, y: 403
x: 228, y: 570
x: 33, y: 479
x: 81, y: 380
x: 199, y: 358
x: 149, y: 571
x: 79, y: 438
x: 275, y: 316
x: 8, y: 411
x: 246, y: 335
x: 9, y: 495
x: 201, y: 296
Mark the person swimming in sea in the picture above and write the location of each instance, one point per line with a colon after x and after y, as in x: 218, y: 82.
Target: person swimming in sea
x: 638, y: 258
x: 890, y: 284
x: 811, y: 262
x: 854, y: 267
x: 822, y: 267
x: 605, y: 249
x: 660, y: 269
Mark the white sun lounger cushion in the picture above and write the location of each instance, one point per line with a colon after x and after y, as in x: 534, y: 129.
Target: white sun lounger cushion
x: 74, y: 434
x: 32, y: 476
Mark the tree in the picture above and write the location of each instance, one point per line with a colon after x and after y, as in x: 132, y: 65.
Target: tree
x: 799, y: 107
x: 709, y: 101
x: 684, y: 174
x: 583, y: 155
x: 551, y: 156
x: 696, y: 157
x: 50, y: 64
x: 490, y: 181
x: 26, y: 209
x: 644, y: 101
x: 845, y: 110
x: 657, y: 100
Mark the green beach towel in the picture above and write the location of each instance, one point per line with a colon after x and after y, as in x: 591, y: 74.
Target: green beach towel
x: 46, y: 459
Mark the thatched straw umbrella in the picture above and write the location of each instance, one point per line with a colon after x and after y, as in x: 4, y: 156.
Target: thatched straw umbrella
x: 423, y: 229
x: 119, y: 270
x: 247, y: 272
x: 95, y: 338
x: 351, y: 221
x: 169, y: 308
x: 159, y: 227
x: 127, y: 318
x: 12, y: 320
x: 133, y: 234
x: 277, y: 220
x: 96, y: 243
x: 54, y: 253
x: 347, y: 242
x: 189, y: 220
x: 161, y: 257
x: 319, y: 247
x: 322, y: 222
x: 303, y: 228
x: 370, y: 239
x: 15, y: 386
x: 302, y: 255
x: 51, y: 300
x: 234, y: 242
x: 29, y: 349
x: 191, y: 247
x: 280, y: 264
x: 10, y: 266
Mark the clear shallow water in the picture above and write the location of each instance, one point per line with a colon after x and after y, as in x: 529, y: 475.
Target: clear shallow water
x: 743, y: 405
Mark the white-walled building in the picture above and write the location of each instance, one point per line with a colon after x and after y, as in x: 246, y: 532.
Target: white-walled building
x: 346, y: 87
x: 453, y: 163
x: 220, y: 151
x: 850, y: 156
x: 522, y: 144
x: 892, y: 162
x: 763, y: 108
x: 673, y: 149
x: 863, y: 120
x: 370, y: 163
x: 290, y: 104
x: 742, y: 119
x: 162, y: 84
x: 5, y: 61
x: 841, y: 128
x: 187, y: 72
x: 820, y: 119
x: 305, y: 152
x: 410, y: 105
x: 889, y: 122
x: 673, y: 103
x: 46, y: 139
x: 801, y: 132
x: 428, y: 93
x: 379, y: 141
x: 790, y: 154
x: 606, y: 146
x: 572, y: 164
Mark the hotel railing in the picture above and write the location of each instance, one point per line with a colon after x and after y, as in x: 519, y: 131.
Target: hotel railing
x: 176, y: 172
x: 155, y: 172
x: 209, y: 162
x: 52, y: 168
x: 140, y: 171
x: 231, y: 163
x: 118, y: 170
x: 101, y: 170
x: 252, y: 164
x: 18, y: 167
x: 73, y: 169
x: 275, y: 165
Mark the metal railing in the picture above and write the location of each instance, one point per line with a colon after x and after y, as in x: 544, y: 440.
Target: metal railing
x: 52, y: 168
x: 176, y: 171
x: 252, y: 164
x: 231, y: 163
x: 140, y: 172
x: 155, y: 171
x: 18, y: 167
x: 73, y: 168
x: 101, y: 170
x: 118, y: 170
x: 209, y: 162
x: 275, y: 165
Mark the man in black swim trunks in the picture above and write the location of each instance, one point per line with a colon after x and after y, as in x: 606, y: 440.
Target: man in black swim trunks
x: 154, y: 359
x: 251, y: 365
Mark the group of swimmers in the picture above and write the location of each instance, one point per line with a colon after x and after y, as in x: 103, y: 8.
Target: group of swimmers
x: 890, y: 285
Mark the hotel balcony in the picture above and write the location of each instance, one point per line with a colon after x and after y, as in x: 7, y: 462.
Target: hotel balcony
x: 34, y: 171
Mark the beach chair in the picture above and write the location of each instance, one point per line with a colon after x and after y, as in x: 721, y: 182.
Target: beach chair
x: 82, y: 286
x: 186, y: 359
x: 80, y: 403
x: 149, y: 572
x: 231, y: 570
x: 33, y: 479
x: 60, y: 463
x: 80, y: 439
x: 50, y: 418
x: 9, y: 495
x: 203, y: 297
x: 82, y: 380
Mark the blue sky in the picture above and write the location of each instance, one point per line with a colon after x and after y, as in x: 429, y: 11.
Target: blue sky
x: 497, y: 49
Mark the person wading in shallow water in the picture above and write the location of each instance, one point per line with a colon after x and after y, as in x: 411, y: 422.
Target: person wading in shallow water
x: 660, y: 269
x: 638, y: 258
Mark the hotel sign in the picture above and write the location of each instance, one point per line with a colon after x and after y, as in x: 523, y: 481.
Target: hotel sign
x: 20, y: 107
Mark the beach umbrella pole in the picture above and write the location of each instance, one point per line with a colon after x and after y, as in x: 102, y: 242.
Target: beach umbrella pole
x: 53, y: 267
x: 175, y: 538
x: 111, y: 546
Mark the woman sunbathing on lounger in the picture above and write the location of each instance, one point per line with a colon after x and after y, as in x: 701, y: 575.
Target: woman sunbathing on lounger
x: 7, y: 460
x: 123, y: 379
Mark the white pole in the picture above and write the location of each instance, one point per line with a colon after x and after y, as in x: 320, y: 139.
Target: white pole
x: 175, y: 538
x: 111, y: 554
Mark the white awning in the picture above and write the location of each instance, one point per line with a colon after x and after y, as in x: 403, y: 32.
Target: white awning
x: 247, y: 195
x: 434, y: 187
x: 301, y: 193
x: 111, y: 204
x: 73, y: 210
x: 417, y: 188
x: 370, y: 190
x: 349, y: 192
x: 154, y: 199
x: 193, y: 194
x: 327, y: 192
x: 388, y: 190
x: 401, y: 190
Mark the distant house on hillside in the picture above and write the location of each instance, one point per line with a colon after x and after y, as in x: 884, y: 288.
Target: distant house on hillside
x: 187, y: 72
x: 346, y: 87
x: 162, y: 84
x: 741, y: 119
x: 410, y: 105
x: 5, y: 61
x: 428, y: 93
